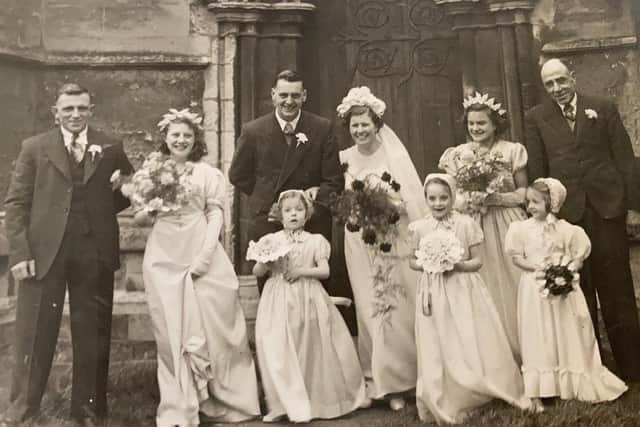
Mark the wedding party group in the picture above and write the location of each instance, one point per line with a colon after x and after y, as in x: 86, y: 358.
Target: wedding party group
x: 481, y: 282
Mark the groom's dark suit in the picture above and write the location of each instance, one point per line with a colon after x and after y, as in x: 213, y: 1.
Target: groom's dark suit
x: 62, y: 214
x: 265, y: 165
x: 595, y: 162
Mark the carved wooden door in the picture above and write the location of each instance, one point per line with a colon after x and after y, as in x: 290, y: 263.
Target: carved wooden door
x: 405, y: 51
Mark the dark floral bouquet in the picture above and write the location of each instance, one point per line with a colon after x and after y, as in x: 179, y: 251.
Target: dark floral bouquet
x: 372, y: 205
x: 558, y: 276
x: 477, y: 175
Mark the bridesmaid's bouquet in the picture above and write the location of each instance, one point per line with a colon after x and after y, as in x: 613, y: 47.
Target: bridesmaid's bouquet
x: 439, y: 252
x: 477, y: 176
x: 558, y: 276
x: 269, y: 248
x: 160, y: 185
x: 372, y: 205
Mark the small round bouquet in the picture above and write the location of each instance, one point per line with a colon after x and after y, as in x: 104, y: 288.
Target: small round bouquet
x: 439, y: 252
x: 160, y: 185
x: 558, y: 276
x: 477, y: 176
x: 372, y: 205
x: 269, y: 248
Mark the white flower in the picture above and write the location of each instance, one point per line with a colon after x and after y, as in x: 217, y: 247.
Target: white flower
x: 93, y: 150
x: 560, y: 281
x: 166, y: 178
x: 361, y: 96
x: 592, y: 114
x: 115, y: 176
x: 301, y: 139
x: 174, y: 114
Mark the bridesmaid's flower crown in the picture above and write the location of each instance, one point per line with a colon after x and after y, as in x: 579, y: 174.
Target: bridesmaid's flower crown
x: 362, y: 97
x: 184, y: 114
x: 483, y: 99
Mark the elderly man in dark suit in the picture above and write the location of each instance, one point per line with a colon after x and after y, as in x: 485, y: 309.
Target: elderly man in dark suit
x: 63, y: 234
x: 581, y: 141
x: 287, y: 149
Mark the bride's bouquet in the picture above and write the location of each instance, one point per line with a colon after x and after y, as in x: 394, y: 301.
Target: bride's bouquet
x: 159, y: 186
x: 439, y: 252
x: 372, y: 205
x: 477, y: 176
x: 558, y: 276
x: 269, y: 248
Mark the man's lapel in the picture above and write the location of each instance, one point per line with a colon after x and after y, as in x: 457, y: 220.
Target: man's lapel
x: 57, y: 153
x: 91, y: 160
x: 296, y: 151
x: 554, y: 118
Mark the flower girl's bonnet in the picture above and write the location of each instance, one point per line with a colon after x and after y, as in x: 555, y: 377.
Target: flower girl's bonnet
x: 557, y: 193
x: 308, y: 203
x: 448, y: 179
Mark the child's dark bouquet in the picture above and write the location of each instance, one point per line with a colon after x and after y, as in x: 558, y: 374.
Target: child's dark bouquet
x: 558, y: 276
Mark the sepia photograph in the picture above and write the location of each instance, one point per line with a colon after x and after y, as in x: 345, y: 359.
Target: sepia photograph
x: 322, y: 212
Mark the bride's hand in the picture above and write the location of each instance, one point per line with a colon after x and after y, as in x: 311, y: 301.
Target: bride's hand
x: 143, y: 218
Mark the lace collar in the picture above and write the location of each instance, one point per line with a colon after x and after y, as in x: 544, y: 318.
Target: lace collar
x: 448, y: 222
x: 295, y: 236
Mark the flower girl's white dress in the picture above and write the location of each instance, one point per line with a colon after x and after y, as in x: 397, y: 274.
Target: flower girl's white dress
x: 464, y: 358
x: 308, y: 362
x: 560, y: 355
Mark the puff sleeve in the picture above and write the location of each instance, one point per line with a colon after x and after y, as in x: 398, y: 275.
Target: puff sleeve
x: 519, y: 157
x: 214, y: 187
x: 513, y: 243
x: 472, y: 232
x: 321, y: 248
x: 448, y: 161
x: 579, y: 245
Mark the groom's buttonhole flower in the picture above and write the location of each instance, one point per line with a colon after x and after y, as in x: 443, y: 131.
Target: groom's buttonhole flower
x: 353, y: 227
x: 386, y: 177
x: 357, y: 185
x: 395, y: 186
x: 395, y: 217
x: 385, y: 247
x: 344, y: 167
x: 369, y: 237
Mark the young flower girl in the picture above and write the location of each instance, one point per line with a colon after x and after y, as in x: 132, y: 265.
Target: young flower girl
x: 560, y: 355
x: 464, y: 358
x: 307, y: 359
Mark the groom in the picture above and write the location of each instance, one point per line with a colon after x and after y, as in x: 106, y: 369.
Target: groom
x: 287, y: 149
x: 581, y: 141
x: 63, y: 235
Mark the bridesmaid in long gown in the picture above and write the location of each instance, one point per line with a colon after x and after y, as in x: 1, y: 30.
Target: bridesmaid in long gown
x: 386, y: 347
x: 484, y: 124
x: 204, y: 362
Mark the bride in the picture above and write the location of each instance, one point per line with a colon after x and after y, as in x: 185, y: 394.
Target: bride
x: 386, y: 342
x: 204, y: 362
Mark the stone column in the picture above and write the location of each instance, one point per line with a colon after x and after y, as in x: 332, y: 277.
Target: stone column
x: 496, y: 35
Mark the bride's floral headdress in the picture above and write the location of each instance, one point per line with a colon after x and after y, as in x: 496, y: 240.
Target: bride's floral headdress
x: 175, y: 114
x: 361, y: 96
x: 483, y: 99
